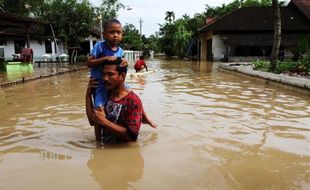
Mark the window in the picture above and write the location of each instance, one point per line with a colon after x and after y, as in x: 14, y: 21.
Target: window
x: 19, y: 45
x: 55, y: 47
x: 2, y: 43
x: 48, y: 46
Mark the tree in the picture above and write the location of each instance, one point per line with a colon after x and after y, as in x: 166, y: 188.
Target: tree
x: 153, y: 43
x: 277, y: 35
x: 71, y: 20
x: 166, y: 38
x: 182, y: 37
x: 109, y: 9
x: 170, y: 16
x: 22, y: 7
x: 132, y: 39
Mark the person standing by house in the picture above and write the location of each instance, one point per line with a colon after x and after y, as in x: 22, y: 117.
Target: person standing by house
x: 140, y: 64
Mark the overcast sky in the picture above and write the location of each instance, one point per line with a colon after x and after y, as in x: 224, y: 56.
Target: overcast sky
x: 153, y: 12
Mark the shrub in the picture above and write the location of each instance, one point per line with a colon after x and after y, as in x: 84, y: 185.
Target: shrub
x: 301, y: 66
x: 261, y: 65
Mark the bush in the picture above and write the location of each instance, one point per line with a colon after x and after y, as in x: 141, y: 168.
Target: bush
x: 287, y: 66
x: 261, y: 65
x: 301, y: 66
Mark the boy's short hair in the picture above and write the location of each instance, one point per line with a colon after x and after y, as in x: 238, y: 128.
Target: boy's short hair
x: 120, y: 69
x: 141, y: 57
x: 108, y: 22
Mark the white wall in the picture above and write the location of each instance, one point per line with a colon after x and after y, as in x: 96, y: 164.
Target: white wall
x: 38, y: 49
x: 9, y: 50
x: 218, y: 48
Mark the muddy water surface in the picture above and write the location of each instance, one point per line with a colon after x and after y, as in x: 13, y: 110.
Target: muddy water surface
x: 216, y: 131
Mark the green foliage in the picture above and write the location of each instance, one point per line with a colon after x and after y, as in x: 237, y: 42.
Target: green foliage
x: 71, y: 20
x: 224, y: 9
x: 261, y: 65
x: 301, y: 66
x: 221, y: 10
x: 109, y: 9
x: 303, y: 46
x: 170, y: 16
x: 182, y: 37
x: 14, y: 6
x: 131, y: 39
x: 166, y: 33
x: 287, y: 66
x: 153, y: 43
x: 22, y: 7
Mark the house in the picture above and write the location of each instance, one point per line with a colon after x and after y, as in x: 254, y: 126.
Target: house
x: 247, y: 33
x: 90, y: 41
x: 17, y: 32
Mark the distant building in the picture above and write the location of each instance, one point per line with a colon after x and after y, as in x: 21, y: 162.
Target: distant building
x: 17, y: 32
x: 247, y: 33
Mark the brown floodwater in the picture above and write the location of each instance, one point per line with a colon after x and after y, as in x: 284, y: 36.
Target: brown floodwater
x: 216, y: 130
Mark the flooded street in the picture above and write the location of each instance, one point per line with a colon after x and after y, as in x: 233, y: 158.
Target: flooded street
x: 215, y: 130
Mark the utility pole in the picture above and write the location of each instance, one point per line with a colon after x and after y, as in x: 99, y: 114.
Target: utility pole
x: 101, y: 29
x: 140, y: 21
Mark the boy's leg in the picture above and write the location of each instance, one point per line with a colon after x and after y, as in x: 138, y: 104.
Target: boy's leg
x: 98, y: 128
x: 100, y: 99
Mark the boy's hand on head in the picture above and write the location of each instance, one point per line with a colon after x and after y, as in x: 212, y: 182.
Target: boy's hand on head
x: 111, y: 58
x: 124, y: 62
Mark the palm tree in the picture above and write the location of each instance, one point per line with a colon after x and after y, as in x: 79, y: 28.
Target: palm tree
x: 170, y: 16
x: 276, y: 36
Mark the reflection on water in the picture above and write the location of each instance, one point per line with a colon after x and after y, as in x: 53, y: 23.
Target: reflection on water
x: 116, y: 167
x: 216, y: 130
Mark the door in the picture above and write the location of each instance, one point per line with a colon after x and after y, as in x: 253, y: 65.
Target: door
x: 209, y: 50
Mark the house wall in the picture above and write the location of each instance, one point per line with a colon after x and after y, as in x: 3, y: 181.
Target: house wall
x: 204, y: 48
x: 38, y: 49
x: 9, y: 50
x: 218, y: 48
